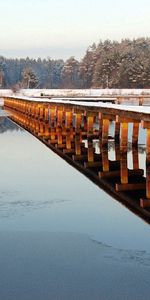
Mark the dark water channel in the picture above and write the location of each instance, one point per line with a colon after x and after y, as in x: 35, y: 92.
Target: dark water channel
x: 62, y: 237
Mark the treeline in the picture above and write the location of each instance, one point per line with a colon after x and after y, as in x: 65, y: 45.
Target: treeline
x: 108, y: 64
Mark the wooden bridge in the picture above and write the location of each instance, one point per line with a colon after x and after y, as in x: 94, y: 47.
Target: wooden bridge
x: 72, y: 128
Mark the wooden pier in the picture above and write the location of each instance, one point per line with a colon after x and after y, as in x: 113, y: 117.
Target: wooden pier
x: 70, y: 130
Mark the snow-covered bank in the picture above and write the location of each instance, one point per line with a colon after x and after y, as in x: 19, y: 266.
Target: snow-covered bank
x: 76, y: 92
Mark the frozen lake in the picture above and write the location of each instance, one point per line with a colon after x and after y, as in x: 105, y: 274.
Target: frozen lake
x: 62, y: 237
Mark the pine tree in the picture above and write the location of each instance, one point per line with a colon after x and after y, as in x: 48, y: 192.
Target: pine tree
x: 30, y: 79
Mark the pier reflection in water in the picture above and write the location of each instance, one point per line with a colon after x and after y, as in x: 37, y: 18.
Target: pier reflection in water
x: 61, y: 236
x: 76, y: 139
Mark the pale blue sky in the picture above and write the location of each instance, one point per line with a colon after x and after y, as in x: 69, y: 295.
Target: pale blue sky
x: 61, y: 28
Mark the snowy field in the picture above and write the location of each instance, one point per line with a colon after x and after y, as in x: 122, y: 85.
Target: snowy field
x: 76, y: 92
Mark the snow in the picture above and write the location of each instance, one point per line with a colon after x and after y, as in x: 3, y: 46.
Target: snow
x: 32, y: 95
x: 85, y: 92
x: 87, y: 99
x: 139, y: 109
x: 131, y: 108
x: 76, y: 92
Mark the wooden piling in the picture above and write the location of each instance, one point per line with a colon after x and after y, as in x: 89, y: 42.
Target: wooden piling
x: 105, y: 130
x: 124, y: 137
x: 117, y: 132
x: 135, y: 134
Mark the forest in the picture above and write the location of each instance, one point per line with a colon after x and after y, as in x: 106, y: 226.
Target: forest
x: 108, y: 64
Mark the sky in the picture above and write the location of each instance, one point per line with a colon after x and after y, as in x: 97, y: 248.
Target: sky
x: 64, y: 28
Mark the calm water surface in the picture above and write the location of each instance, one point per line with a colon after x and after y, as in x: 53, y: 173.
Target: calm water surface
x: 62, y: 237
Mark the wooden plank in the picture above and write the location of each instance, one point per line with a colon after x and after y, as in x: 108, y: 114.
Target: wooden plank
x: 145, y: 124
x: 121, y: 119
x: 109, y: 174
x: 61, y: 146
x: 107, y: 116
x: 79, y: 157
x: 52, y: 141
x: 130, y: 186
x: 72, y: 151
x: 116, y: 173
x: 68, y: 151
x: 144, y: 203
x: 93, y: 164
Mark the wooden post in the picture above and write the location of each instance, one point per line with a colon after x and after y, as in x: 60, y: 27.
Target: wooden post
x: 37, y: 111
x: 148, y: 181
x: 23, y: 107
x: 141, y: 100
x: 148, y: 145
x: 148, y: 165
x: 52, y: 115
x: 135, y: 156
x: 77, y: 144
x: 117, y: 152
x: 41, y: 129
x: 52, y: 133
x: 27, y: 122
x: 46, y: 129
x: 123, y: 168
x: 32, y: 110
x: 41, y: 112
x: 46, y: 114
x: 90, y: 123
x: 68, y: 139
x: 105, y: 160
x: 117, y: 131
x: 68, y: 118
x: 146, y: 202
x: 37, y: 127
x: 135, y: 134
x: 59, y: 135
x: 119, y: 100
x: 28, y: 109
x: 90, y: 151
x: 59, y: 116
x: 78, y: 121
x: 105, y: 130
x: 100, y: 124
x: 124, y: 137
x: 33, y: 124
x: 85, y: 122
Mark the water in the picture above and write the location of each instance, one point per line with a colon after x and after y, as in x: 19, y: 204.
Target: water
x: 62, y: 237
